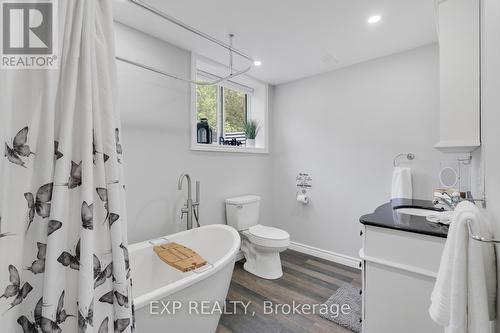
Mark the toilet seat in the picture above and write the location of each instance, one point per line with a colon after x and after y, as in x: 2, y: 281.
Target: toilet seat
x: 268, y: 236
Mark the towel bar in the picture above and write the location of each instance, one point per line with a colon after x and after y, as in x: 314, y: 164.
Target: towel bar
x: 480, y: 238
x: 409, y: 156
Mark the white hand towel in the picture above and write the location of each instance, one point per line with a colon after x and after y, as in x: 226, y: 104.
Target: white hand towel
x: 401, y: 183
x: 463, y: 299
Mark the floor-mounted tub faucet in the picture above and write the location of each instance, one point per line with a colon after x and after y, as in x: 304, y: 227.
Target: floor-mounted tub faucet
x: 191, y: 208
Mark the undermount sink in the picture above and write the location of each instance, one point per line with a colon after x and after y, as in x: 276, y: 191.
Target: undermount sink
x: 416, y: 211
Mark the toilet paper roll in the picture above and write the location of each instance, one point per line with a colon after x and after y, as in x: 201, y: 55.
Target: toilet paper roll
x: 303, y: 198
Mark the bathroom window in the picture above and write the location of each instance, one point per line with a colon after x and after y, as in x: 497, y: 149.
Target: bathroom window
x: 223, y: 114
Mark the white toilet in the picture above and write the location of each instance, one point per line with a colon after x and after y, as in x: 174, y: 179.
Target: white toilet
x: 261, y: 245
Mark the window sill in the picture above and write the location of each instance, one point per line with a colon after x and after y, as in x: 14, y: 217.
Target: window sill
x: 225, y: 149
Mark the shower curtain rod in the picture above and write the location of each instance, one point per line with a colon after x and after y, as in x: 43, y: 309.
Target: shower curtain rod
x: 173, y: 76
x: 183, y: 25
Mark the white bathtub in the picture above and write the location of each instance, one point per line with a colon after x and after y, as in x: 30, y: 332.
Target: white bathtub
x: 156, y: 284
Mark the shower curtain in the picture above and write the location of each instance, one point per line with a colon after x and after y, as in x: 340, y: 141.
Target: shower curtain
x: 63, y: 243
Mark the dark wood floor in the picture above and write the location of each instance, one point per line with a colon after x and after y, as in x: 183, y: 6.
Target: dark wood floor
x: 306, y: 279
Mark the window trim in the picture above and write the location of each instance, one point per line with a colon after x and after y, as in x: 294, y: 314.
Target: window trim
x: 220, y: 114
x: 220, y: 104
x: 234, y: 85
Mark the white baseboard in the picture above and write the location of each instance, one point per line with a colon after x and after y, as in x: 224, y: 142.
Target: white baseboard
x: 325, y: 254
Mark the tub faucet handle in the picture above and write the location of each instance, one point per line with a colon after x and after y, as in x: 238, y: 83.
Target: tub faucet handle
x: 184, y: 211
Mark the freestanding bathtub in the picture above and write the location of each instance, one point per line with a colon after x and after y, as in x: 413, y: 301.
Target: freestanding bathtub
x: 168, y: 300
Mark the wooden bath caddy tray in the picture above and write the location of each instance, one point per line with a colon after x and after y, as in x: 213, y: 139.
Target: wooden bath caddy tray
x: 179, y: 256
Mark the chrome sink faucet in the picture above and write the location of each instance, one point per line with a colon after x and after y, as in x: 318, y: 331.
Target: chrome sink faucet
x: 191, y: 208
x: 447, y: 201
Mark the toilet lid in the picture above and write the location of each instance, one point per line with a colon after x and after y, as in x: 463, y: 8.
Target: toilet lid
x: 268, y: 232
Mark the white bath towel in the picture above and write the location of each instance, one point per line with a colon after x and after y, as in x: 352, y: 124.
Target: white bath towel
x: 401, y: 183
x: 464, y: 296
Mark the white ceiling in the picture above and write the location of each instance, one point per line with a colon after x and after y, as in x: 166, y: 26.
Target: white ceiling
x: 293, y: 38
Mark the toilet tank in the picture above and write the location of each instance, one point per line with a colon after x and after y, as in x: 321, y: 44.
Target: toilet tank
x: 243, y: 212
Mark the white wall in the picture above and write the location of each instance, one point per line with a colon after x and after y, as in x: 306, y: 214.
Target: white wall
x: 490, y: 108
x: 155, y: 117
x: 490, y: 150
x: 344, y: 127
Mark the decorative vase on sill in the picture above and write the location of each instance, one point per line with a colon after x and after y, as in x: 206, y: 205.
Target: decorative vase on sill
x: 204, y: 131
x: 252, y: 128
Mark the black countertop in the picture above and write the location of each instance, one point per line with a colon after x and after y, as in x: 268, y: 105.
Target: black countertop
x: 385, y: 217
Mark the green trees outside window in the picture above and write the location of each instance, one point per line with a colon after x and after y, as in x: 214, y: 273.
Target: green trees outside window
x: 234, y: 111
x: 206, y: 104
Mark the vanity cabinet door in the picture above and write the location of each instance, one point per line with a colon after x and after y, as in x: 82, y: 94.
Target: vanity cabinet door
x: 397, y: 301
x: 459, y: 48
x: 399, y: 272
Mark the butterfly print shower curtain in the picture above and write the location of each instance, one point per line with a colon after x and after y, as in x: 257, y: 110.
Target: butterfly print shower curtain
x: 63, y: 238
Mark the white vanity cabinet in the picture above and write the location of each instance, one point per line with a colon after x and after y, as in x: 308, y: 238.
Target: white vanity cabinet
x: 459, y: 48
x: 399, y: 271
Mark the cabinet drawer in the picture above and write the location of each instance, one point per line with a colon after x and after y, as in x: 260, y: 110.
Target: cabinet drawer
x: 406, y: 250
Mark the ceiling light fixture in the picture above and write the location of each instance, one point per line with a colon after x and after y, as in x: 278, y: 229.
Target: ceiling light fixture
x: 374, y: 19
x: 257, y: 63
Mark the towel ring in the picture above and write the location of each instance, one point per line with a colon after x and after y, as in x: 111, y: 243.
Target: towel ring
x: 479, y: 238
x: 409, y: 156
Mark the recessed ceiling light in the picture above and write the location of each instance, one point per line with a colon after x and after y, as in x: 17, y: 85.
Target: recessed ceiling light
x: 257, y: 63
x: 374, y: 19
